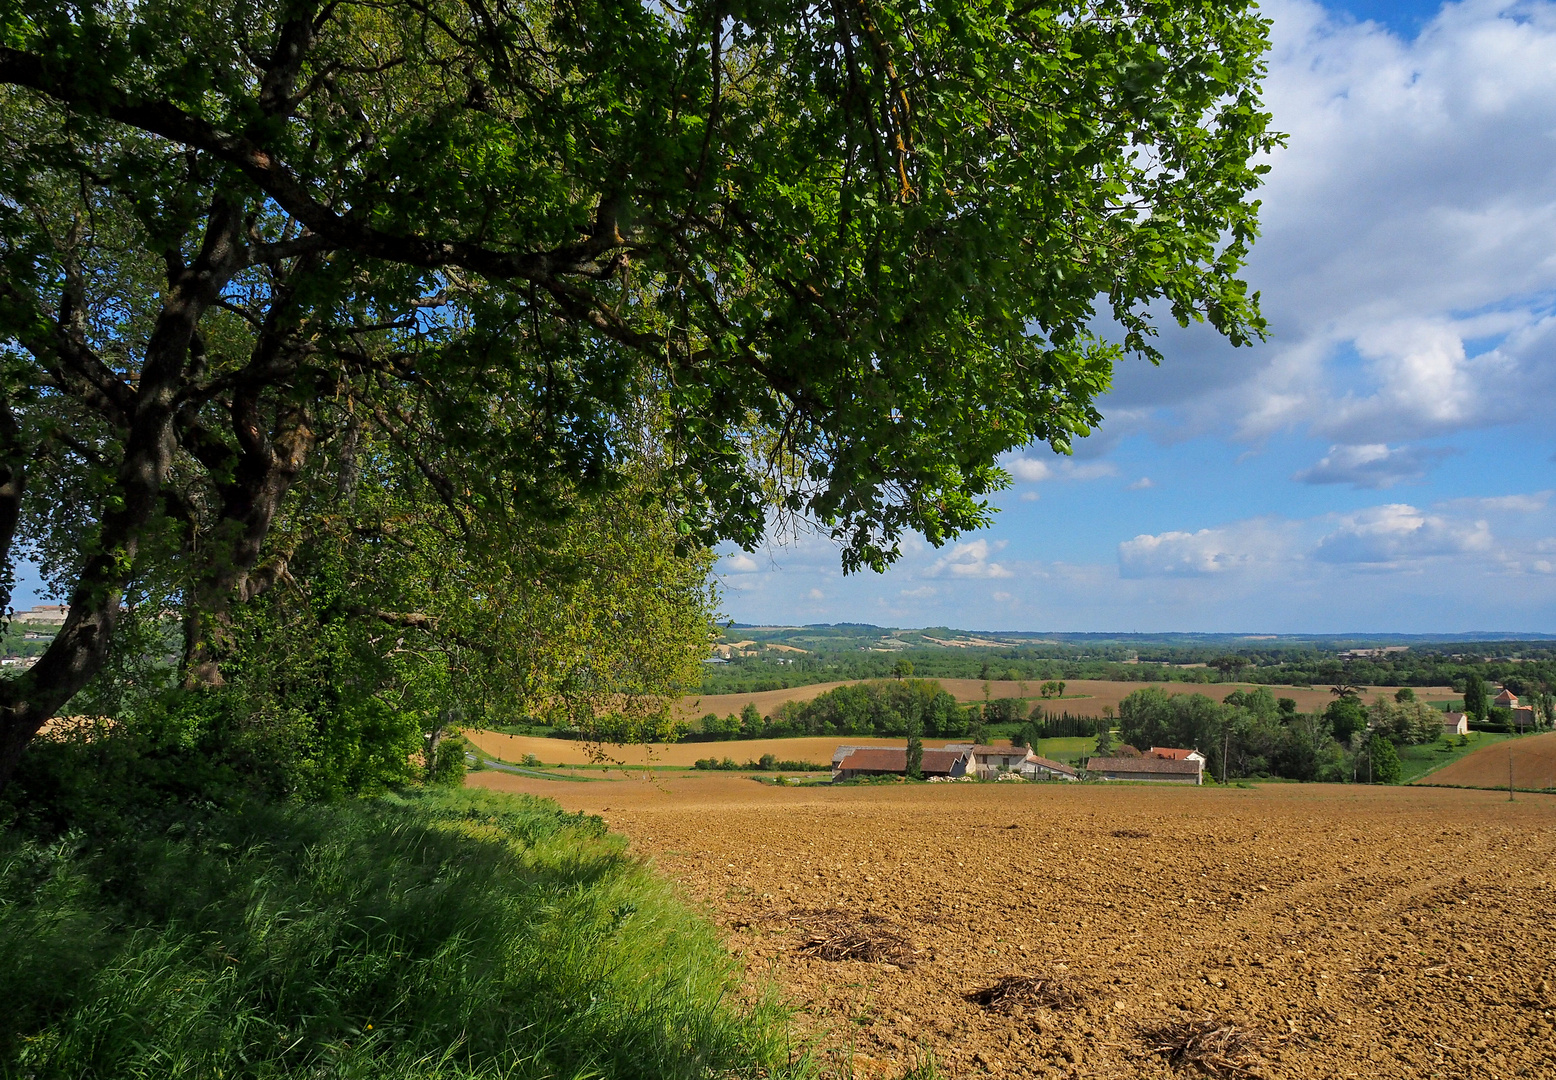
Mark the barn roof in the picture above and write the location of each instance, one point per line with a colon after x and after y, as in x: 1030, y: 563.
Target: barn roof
x: 1055, y: 766
x: 1163, y: 766
x: 1172, y: 753
x: 895, y: 759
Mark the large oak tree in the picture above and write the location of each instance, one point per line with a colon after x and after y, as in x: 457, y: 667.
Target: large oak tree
x: 829, y: 259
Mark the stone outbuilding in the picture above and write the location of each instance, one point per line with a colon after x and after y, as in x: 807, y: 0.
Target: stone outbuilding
x: 1159, y: 770
x: 893, y: 761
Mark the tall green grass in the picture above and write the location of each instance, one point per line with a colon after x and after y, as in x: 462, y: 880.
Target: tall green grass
x: 442, y: 935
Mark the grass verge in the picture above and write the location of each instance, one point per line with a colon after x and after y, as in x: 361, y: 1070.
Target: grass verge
x: 450, y: 935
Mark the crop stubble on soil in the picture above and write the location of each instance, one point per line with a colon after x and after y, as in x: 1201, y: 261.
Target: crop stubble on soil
x: 1055, y: 931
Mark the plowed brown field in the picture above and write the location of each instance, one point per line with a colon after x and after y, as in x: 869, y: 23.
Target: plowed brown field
x: 1083, y: 697
x: 1353, y: 932
x: 1533, y: 762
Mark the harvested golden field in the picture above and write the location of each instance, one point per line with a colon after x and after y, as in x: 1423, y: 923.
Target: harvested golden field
x: 1533, y: 761
x: 1020, y: 930
x: 1083, y: 697
x: 566, y: 752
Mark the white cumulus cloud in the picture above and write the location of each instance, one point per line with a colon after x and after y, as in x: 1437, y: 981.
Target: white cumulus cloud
x: 1408, y: 256
x: 1399, y: 532
x: 971, y: 560
x: 1371, y: 465
x: 1203, y: 553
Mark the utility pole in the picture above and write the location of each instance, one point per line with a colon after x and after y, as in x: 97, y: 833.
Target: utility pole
x: 1226, y: 748
x: 1509, y: 772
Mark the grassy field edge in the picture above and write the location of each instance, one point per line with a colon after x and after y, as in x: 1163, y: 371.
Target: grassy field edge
x: 430, y: 935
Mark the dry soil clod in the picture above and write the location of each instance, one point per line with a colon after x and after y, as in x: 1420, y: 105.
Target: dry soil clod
x: 837, y: 935
x: 1216, y: 1048
x: 1026, y: 992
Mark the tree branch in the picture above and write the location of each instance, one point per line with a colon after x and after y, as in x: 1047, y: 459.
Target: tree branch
x: 266, y: 171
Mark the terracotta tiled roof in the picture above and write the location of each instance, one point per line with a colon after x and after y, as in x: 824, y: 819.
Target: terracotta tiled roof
x: 1171, y: 753
x: 895, y: 759
x: 940, y: 761
x: 1144, y: 765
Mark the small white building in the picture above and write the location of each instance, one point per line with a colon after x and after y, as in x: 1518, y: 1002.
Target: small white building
x: 1456, y: 723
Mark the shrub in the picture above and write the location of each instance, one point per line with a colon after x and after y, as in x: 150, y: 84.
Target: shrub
x: 448, y: 763
x: 1385, y: 760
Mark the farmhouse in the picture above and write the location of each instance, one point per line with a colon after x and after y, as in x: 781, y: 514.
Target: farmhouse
x: 1506, y: 699
x: 1456, y: 723
x: 1523, y: 717
x: 1159, y: 770
x: 986, y: 761
x: 893, y: 761
x: 990, y: 761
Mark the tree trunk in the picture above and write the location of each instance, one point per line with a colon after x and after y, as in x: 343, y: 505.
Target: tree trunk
x: 81, y: 646
x: 13, y: 480
x: 265, y: 474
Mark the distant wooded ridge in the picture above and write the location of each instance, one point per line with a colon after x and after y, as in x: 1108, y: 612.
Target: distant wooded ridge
x: 997, y: 638
x: 753, y: 659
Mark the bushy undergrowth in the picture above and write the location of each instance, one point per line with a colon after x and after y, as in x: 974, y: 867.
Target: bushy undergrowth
x: 453, y: 934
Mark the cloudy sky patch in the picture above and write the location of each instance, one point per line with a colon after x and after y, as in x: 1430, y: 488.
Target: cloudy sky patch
x: 1408, y: 271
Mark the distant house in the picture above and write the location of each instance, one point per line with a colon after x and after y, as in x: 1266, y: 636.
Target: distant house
x: 893, y: 761
x: 1523, y: 717
x: 1456, y: 723
x: 1506, y: 699
x: 1160, y: 770
x: 988, y: 762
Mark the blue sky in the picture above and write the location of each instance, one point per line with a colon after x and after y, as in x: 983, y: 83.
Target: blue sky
x: 1385, y: 461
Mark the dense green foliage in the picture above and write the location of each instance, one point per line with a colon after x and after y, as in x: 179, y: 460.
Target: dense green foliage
x: 1252, y: 733
x: 888, y: 707
x: 1476, y: 701
x: 453, y: 936
x: 1046, y: 724
x: 727, y: 261
x: 766, y: 763
x: 1383, y: 760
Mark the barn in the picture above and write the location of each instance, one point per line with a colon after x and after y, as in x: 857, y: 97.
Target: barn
x: 893, y: 761
x: 1157, y: 770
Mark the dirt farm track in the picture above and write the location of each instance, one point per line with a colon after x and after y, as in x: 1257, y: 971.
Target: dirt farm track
x: 1342, y: 931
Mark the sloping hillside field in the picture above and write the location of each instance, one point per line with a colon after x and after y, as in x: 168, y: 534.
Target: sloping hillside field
x: 1082, y: 697
x: 1531, y: 762
x: 1016, y: 930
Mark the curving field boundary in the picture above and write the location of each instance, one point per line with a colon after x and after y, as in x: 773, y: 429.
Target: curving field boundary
x: 1533, y: 764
